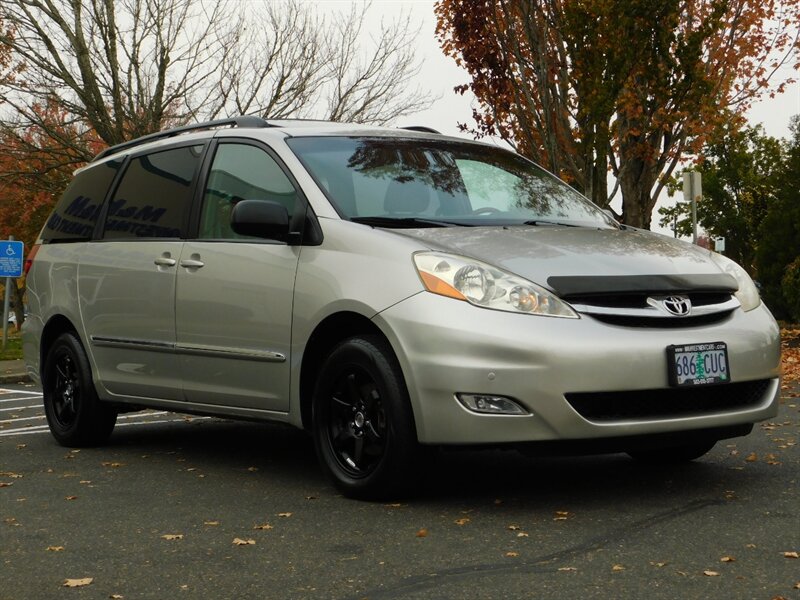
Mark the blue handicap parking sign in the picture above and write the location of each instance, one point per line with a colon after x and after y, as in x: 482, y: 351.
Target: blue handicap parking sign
x: 11, y: 258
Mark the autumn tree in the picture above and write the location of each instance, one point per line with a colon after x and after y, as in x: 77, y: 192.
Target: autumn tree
x: 592, y: 87
x: 124, y: 68
x: 742, y: 171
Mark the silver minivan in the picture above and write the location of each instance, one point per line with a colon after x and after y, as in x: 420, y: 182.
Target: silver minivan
x: 390, y: 291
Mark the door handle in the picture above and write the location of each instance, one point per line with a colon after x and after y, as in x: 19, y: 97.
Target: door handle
x: 163, y: 261
x: 190, y: 263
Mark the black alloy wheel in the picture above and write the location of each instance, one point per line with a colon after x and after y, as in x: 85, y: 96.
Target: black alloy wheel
x: 74, y: 413
x: 357, y: 426
x: 363, y: 424
x: 66, y: 389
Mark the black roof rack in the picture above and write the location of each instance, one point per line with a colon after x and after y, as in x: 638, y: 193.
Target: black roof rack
x: 421, y: 128
x: 245, y: 121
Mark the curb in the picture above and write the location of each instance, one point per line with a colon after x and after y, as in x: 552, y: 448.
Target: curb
x: 15, y: 378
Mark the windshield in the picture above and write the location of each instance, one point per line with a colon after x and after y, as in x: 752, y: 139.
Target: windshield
x: 427, y: 183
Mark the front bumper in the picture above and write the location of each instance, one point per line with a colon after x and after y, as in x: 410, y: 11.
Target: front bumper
x: 445, y: 346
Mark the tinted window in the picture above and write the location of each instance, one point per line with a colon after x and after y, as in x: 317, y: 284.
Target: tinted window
x: 76, y: 213
x: 154, y: 196
x: 241, y: 172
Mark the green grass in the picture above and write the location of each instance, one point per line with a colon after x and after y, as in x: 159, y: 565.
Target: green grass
x: 13, y: 347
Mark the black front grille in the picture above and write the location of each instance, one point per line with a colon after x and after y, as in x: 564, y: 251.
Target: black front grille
x: 662, y: 322
x: 639, y: 300
x: 670, y: 402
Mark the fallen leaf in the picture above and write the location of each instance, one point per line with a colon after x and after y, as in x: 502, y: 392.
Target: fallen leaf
x: 113, y: 465
x: 727, y: 559
x: 659, y: 564
x: 116, y: 596
x: 85, y: 482
x: 11, y: 474
x: 498, y: 502
x: 71, y: 498
x: 752, y: 457
x: 393, y: 505
x: 241, y: 542
x: 514, y: 527
x: 710, y: 573
x: 252, y: 469
x: 561, y: 515
x: 172, y: 536
x: 312, y: 498
x: 791, y: 555
x: 567, y: 569
x: 55, y: 548
x: 750, y: 546
x: 286, y: 514
x: 77, y: 582
x: 462, y: 521
x: 618, y: 568
x: 797, y: 585
x: 264, y: 526
x: 6, y: 484
x: 422, y: 533
x: 211, y: 523
x: 512, y: 554
x: 522, y: 534
x: 21, y: 446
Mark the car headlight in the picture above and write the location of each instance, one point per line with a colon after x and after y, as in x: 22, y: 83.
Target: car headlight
x: 747, y: 295
x: 487, y: 286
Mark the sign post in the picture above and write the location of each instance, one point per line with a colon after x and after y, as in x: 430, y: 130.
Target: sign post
x: 11, y: 260
x: 692, y: 192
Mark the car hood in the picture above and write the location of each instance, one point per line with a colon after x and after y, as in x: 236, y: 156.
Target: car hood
x: 548, y: 254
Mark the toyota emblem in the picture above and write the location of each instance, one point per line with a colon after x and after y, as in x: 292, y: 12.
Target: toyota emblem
x: 680, y: 306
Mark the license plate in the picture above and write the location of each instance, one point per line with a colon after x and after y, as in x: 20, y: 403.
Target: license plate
x: 698, y: 364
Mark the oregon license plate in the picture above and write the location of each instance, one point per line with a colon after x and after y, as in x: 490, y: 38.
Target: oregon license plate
x: 698, y: 364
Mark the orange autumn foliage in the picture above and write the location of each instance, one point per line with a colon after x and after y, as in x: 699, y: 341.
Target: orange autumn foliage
x: 592, y: 87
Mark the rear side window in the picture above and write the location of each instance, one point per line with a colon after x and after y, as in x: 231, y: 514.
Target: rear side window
x: 76, y: 213
x: 154, y: 196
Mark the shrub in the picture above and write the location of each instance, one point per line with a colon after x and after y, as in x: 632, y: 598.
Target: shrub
x: 790, y: 287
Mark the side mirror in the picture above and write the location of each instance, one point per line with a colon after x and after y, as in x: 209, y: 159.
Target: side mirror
x: 261, y: 218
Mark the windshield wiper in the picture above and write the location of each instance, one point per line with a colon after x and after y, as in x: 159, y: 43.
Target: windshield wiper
x: 537, y: 222
x: 404, y: 222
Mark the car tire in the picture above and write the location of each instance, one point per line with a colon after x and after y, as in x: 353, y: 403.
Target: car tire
x: 77, y: 418
x: 673, y: 454
x: 362, y: 422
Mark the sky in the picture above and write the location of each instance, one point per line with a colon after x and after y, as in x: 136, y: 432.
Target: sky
x: 440, y: 75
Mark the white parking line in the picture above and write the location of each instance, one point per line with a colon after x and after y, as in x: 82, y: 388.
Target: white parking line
x: 46, y: 429
x: 7, y: 391
x: 24, y: 399
x: 25, y: 431
x: 20, y: 407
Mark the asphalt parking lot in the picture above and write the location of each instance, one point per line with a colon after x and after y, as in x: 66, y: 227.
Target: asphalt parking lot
x: 188, y: 507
